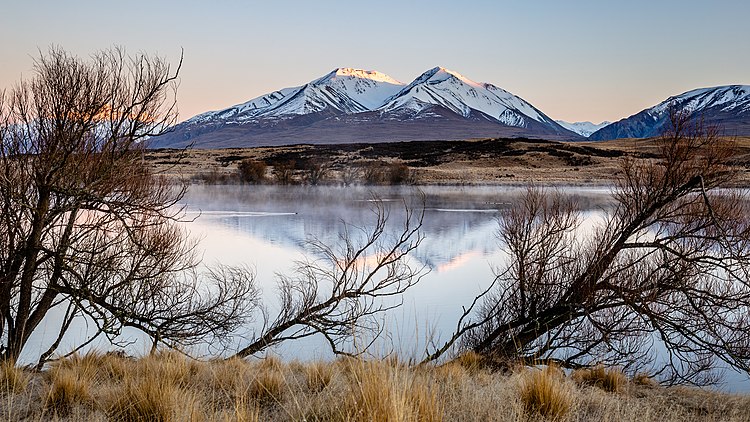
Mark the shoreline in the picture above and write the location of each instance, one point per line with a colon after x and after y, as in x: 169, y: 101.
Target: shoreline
x: 487, y: 162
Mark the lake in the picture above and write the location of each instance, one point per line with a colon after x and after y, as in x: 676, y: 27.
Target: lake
x: 267, y: 228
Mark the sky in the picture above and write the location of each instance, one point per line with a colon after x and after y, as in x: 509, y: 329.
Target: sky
x: 574, y: 60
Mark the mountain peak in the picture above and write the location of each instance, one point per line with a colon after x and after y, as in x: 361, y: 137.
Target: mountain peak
x: 584, y: 129
x: 351, y: 72
x: 440, y: 73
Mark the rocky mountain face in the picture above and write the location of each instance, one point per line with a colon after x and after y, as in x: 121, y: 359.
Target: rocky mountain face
x: 352, y: 105
x: 726, y: 106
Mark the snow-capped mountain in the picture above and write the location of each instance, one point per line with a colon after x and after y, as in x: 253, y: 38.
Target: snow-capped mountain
x: 344, y: 90
x: 352, y: 105
x: 726, y: 106
x: 584, y: 129
x: 453, y: 91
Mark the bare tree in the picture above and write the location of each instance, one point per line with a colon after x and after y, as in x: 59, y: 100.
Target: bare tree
x: 667, y: 269
x: 84, y: 223
x: 315, y: 171
x: 350, y: 175
x: 283, y: 172
x: 342, y: 290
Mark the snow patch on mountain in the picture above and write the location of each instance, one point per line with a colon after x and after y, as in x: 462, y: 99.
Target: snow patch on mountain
x: 459, y: 94
x: 349, y: 91
x: 582, y: 128
x: 726, y: 107
x: 725, y: 98
x: 345, y: 90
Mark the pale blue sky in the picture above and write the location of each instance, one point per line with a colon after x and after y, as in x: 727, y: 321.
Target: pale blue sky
x: 574, y: 60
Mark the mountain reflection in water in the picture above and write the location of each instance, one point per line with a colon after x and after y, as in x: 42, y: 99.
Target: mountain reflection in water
x: 268, y: 228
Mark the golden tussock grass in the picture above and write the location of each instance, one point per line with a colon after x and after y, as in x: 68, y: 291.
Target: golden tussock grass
x: 382, y: 391
x: 149, y: 399
x: 69, y: 387
x: 171, y: 387
x: 645, y: 380
x: 12, y: 379
x: 471, y: 361
x: 545, y: 392
x: 318, y: 375
x: 608, y: 379
x: 267, y: 387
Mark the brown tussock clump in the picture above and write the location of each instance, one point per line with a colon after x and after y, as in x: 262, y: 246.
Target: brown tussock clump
x: 148, y: 399
x: 267, y: 387
x: 14, y: 379
x: 318, y: 375
x: 71, y: 386
x: 608, y: 379
x: 115, y: 367
x: 272, y: 363
x: 384, y: 392
x: 645, y: 380
x: 545, y: 393
x: 471, y: 361
x: 171, y: 367
x: 244, y: 411
x: 228, y: 376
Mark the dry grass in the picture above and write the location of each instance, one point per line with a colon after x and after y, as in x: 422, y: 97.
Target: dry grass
x: 645, y: 380
x: 608, y: 379
x: 388, y: 391
x: 318, y: 375
x: 14, y: 380
x: 144, y: 400
x: 471, y: 361
x: 530, y: 161
x: 70, y: 387
x: 268, y: 387
x: 171, y: 387
x: 545, y: 392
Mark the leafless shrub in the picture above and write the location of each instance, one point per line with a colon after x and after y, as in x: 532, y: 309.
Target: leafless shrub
x: 373, y: 173
x: 84, y: 223
x: 283, y: 173
x: 399, y: 174
x: 668, y: 266
x: 350, y: 175
x: 315, y: 172
x: 340, y: 293
x: 251, y: 171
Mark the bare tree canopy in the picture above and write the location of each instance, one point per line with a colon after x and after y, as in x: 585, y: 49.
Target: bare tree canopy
x: 84, y: 224
x: 660, y: 284
x: 339, y: 292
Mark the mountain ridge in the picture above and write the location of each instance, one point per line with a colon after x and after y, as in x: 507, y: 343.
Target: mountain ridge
x: 727, y: 106
x: 355, y: 105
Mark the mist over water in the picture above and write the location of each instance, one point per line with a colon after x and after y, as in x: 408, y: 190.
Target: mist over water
x: 268, y: 227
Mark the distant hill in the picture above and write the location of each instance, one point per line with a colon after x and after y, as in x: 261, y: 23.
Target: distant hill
x: 352, y: 105
x: 726, y: 106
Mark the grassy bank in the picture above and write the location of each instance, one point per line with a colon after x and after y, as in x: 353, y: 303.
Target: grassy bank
x: 475, y: 162
x: 170, y: 387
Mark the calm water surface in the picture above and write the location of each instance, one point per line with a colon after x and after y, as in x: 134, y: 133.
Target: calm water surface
x: 267, y: 228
